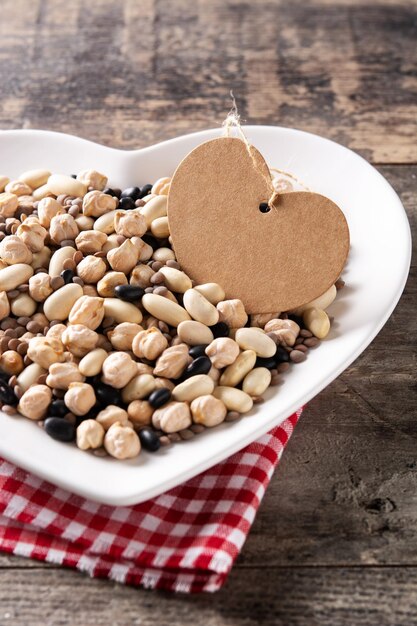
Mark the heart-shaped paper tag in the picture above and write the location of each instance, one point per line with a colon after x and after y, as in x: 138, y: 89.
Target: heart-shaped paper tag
x: 273, y: 261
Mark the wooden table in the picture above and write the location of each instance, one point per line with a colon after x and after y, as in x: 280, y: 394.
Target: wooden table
x: 335, y: 541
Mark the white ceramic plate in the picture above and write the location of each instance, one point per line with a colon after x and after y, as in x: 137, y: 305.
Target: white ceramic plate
x: 375, y: 275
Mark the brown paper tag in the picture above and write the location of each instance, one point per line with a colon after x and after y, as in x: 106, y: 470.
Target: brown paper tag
x: 273, y: 261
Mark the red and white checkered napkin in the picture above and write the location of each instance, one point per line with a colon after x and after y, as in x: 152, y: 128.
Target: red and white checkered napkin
x: 184, y: 540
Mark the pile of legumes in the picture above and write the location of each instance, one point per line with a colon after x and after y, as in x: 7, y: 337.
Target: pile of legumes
x: 105, y: 341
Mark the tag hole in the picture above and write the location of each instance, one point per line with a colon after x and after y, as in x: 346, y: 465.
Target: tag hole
x: 264, y: 207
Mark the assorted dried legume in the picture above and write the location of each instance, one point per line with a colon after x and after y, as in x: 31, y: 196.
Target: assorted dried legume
x: 105, y: 341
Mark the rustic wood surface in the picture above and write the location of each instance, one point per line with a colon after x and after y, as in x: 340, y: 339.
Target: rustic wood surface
x: 335, y: 541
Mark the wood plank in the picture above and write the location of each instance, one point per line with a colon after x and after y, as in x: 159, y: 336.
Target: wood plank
x: 128, y: 74
x: 278, y: 597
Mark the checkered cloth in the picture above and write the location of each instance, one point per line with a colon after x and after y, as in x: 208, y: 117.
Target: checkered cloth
x: 184, y: 540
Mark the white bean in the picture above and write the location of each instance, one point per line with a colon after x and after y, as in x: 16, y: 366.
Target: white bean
x: 122, y: 311
x: 235, y: 373
x: 56, y: 264
x: 30, y: 375
x: 160, y: 227
x: 91, y: 364
x: 138, y: 388
x: 234, y: 399
x: 255, y: 339
x: 23, y: 306
x: 175, y: 279
x: 156, y: 207
x: 164, y: 309
x: 212, y: 291
x: 105, y: 223
x: 322, y: 302
x: 163, y: 255
x: 193, y: 387
x: 35, y: 178
x: 14, y: 276
x: 194, y: 333
x: 257, y: 381
x: 60, y: 183
x: 60, y: 303
x: 317, y: 322
x: 200, y: 308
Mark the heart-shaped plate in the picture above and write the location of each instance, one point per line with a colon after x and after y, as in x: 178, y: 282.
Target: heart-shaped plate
x: 375, y: 274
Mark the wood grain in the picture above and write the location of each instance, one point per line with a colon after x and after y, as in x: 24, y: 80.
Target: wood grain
x: 253, y: 597
x: 335, y: 540
x: 131, y: 73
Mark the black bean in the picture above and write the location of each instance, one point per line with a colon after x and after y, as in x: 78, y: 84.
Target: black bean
x: 7, y: 395
x: 107, y: 395
x: 91, y: 415
x: 159, y: 397
x: 146, y: 190
x: 151, y: 241
x: 111, y: 192
x: 59, y: 429
x: 149, y: 439
x: 131, y: 293
x: 67, y: 275
x: 200, y: 365
x: 220, y: 329
x: 131, y: 192
x: 281, y: 355
x: 297, y: 319
x: 57, y: 408
x: 196, y: 351
x: 127, y: 204
x: 268, y: 362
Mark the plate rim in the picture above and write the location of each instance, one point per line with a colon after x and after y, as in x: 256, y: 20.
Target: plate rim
x: 242, y: 441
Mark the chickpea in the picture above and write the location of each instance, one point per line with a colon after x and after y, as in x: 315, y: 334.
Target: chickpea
x: 110, y: 415
x: 92, y: 178
x: 122, y: 442
x: 46, y: 350
x: 8, y: 204
x: 124, y: 258
x: 40, y: 286
x: 47, y: 209
x: 91, y: 269
x: 87, y: 310
x: 90, y: 241
x: 107, y: 284
x: 96, y: 203
x: 90, y: 435
x: 79, y: 339
x: 14, y: 250
x: 208, y: 410
x: 149, y: 344
x: 222, y: 351
x: 11, y: 362
x: 140, y: 413
x: 233, y: 313
x: 129, y: 223
x: 121, y: 337
x: 172, y: 417
x: 141, y: 276
x: 63, y: 227
x: 172, y: 361
x: 32, y: 234
x: 61, y: 375
x: 80, y: 398
x: 118, y: 370
x: 35, y: 402
x: 19, y: 188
